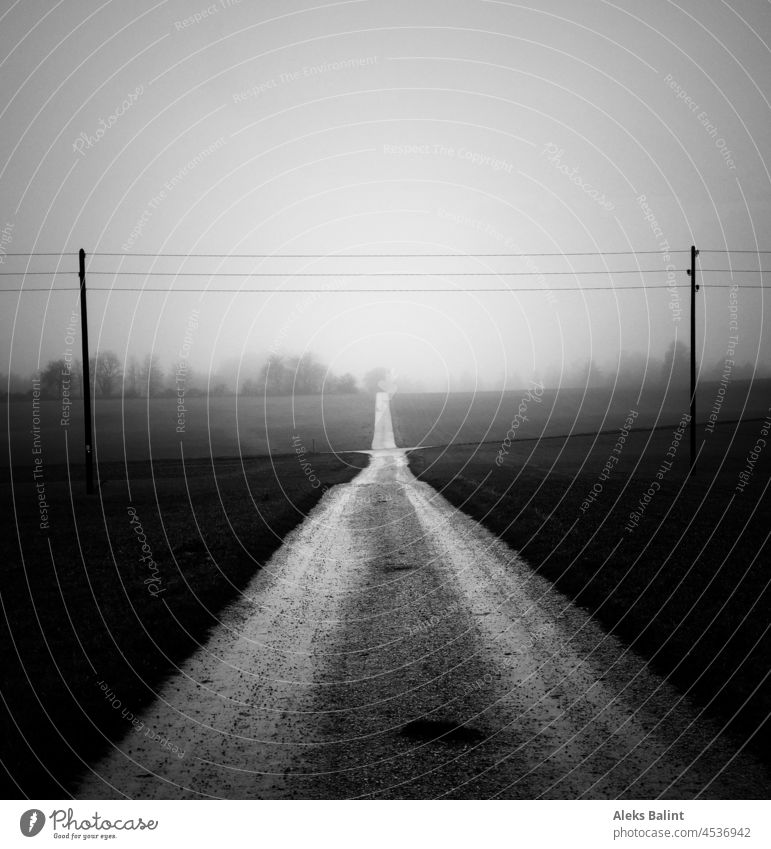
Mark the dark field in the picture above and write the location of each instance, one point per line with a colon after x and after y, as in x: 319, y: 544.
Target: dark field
x: 686, y: 587
x: 466, y: 418
x: 82, y: 607
x: 218, y: 427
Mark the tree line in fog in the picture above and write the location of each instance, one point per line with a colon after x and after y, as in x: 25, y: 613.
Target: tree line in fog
x: 110, y: 377
x: 306, y: 375
x: 635, y: 370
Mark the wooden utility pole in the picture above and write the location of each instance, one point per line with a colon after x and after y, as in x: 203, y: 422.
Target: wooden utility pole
x: 86, y: 376
x: 694, y: 290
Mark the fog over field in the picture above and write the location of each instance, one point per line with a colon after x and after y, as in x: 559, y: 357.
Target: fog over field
x: 459, y: 131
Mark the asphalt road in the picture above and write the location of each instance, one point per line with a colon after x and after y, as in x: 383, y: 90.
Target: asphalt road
x: 393, y: 648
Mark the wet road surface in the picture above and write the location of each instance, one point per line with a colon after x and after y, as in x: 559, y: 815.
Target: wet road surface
x: 394, y: 648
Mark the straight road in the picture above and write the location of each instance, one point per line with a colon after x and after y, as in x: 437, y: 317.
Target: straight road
x: 393, y: 648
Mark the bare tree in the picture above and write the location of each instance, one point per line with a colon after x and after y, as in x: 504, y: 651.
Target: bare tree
x: 131, y: 379
x: 107, y: 370
x: 308, y: 377
x: 303, y: 375
x: 53, y: 377
x: 76, y: 371
x: 675, y: 370
x: 275, y: 376
x: 151, y: 377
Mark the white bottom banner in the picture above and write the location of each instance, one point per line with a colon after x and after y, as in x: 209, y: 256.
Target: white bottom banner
x: 373, y: 824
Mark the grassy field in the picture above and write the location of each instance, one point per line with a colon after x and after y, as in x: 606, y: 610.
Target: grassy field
x: 470, y: 418
x: 85, y: 603
x: 218, y: 427
x: 686, y: 587
x: 685, y: 582
x: 82, y: 607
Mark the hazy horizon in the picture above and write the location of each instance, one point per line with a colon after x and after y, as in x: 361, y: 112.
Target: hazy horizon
x: 366, y: 128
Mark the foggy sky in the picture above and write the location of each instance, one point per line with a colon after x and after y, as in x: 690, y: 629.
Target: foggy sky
x: 358, y: 127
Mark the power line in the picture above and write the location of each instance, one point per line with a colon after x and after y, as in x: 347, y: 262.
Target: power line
x: 334, y: 274
x: 376, y: 273
x: 365, y: 273
x: 455, y: 255
x: 654, y: 287
x: 660, y: 287
x: 410, y: 273
x: 33, y: 273
x: 349, y: 255
x: 382, y: 256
